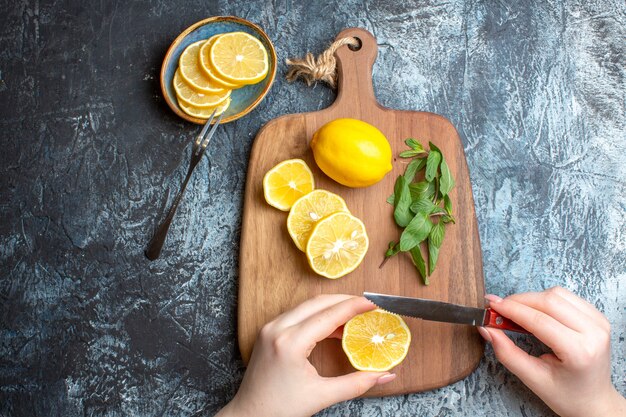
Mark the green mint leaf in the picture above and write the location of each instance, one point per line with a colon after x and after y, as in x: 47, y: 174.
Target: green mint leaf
x: 415, y: 145
x: 423, y: 198
x: 418, y: 261
x: 433, y: 255
x: 411, y: 169
x: 448, y: 219
x: 422, y: 189
x: 402, y: 201
x: 409, y: 154
x: 435, y: 237
x: 393, y: 249
x: 433, y: 147
x: 423, y: 205
x: 432, y: 165
x: 415, y: 232
x: 446, y: 181
x: 447, y: 204
x: 422, y: 163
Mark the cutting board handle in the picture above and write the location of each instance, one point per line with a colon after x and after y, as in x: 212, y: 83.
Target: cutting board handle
x: 354, y: 70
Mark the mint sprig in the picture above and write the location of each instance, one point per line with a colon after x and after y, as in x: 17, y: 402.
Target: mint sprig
x: 422, y: 206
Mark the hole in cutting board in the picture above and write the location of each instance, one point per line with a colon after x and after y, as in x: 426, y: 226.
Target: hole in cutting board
x: 358, y: 47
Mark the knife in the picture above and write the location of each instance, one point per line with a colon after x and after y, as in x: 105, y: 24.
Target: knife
x: 420, y: 308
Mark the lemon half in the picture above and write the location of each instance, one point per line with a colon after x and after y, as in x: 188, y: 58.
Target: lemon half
x: 376, y: 340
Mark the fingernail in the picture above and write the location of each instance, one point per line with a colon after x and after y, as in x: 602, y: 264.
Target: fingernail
x: 385, y: 378
x: 485, y: 334
x: 493, y: 298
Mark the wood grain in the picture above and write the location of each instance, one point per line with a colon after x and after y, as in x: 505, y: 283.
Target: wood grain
x: 275, y: 276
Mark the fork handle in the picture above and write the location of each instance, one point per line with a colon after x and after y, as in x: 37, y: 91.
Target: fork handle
x: 156, y: 243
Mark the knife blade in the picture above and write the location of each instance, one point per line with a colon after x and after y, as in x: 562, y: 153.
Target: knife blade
x: 431, y: 310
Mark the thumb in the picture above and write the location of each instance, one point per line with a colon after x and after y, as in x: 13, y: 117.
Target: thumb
x: 355, y: 384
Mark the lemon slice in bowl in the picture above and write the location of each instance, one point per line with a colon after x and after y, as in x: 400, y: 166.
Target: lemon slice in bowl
x: 376, y: 340
x: 308, y: 210
x: 204, y: 112
x: 287, y: 182
x: 192, y: 98
x: 337, y: 245
x: 239, y: 58
x: 205, y: 64
x: 189, y: 67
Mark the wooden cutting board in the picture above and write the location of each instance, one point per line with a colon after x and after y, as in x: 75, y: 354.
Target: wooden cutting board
x: 274, y: 274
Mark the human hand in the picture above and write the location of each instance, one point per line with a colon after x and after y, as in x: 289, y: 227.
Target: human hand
x: 280, y: 380
x: 574, y: 380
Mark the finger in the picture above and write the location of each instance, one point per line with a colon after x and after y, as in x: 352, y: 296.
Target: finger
x: 308, y: 308
x: 550, y: 359
x: 555, y: 306
x: 584, y: 306
x: 529, y: 369
x: 337, y: 334
x: 320, y: 325
x: 545, y: 328
x: 355, y: 384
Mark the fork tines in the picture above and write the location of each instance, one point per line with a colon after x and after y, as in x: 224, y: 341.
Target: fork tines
x: 203, y: 139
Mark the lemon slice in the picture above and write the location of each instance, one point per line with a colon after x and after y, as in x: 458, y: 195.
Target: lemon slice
x: 192, y: 98
x: 239, y: 58
x: 205, y: 64
x: 376, y: 340
x: 189, y: 67
x: 337, y: 245
x: 287, y: 182
x: 306, y: 212
x: 204, y: 112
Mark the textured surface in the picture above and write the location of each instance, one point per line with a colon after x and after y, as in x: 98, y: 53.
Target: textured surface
x: 89, y: 327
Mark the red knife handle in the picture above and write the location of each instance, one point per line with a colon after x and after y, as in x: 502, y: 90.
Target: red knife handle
x: 493, y: 319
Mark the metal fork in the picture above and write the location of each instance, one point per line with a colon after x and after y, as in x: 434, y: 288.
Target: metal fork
x: 197, y: 152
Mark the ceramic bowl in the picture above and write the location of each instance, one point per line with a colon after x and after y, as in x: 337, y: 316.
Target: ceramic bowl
x: 243, y: 99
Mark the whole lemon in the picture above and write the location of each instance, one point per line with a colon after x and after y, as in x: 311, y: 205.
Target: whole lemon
x: 352, y: 152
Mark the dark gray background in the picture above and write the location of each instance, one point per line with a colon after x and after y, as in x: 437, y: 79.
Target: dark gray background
x: 90, y: 151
